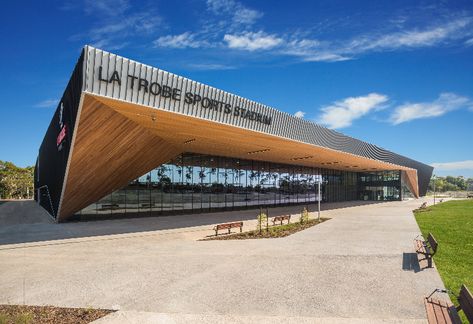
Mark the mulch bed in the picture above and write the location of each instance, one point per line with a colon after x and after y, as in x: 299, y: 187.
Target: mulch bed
x: 49, y: 314
x: 272, y: 232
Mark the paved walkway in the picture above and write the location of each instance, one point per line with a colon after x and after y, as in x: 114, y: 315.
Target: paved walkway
x: 357, y: 267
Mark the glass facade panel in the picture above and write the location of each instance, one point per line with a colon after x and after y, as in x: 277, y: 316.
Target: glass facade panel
x: 379, y: 186
x: 201, y: 183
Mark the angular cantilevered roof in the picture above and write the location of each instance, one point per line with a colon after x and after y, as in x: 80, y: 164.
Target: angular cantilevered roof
x: 131, y: 117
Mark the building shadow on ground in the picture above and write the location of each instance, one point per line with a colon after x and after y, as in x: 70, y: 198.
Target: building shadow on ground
x: 26, y: 222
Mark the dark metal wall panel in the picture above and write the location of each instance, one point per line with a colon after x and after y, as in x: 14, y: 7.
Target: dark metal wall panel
x: 52, y: 158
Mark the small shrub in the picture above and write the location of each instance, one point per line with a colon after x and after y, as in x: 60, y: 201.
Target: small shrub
x: 23, y: 318
x: 3, y: 319
x: 304, y: 216
x: 262, y: 222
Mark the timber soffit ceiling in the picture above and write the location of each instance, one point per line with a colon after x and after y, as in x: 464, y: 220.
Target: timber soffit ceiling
x: 132, y: 118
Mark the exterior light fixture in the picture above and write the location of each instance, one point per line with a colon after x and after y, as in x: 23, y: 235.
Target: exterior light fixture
x: 259, y: 151
x: 189, y: 141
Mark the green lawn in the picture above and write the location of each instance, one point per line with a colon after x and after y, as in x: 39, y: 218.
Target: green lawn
x: 451, y: 223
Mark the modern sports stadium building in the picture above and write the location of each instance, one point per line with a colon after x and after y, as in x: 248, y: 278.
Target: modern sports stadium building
x: 131, y: 140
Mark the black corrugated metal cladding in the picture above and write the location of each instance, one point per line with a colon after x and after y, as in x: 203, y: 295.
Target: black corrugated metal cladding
x: 52, y: 158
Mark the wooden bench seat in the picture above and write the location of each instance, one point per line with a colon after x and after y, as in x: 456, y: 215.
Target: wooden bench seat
x: 426, y: 248
x: 281, y: 219
x: 109, y: 206
x: 439, y: 311
x: 148, y: 205
x: 228, y: 226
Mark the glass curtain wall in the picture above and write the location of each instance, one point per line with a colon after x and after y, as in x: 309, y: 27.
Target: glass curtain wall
x: 379, y: 186
x: 197, y: 183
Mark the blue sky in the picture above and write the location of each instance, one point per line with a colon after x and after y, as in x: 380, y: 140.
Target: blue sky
x: 398, y: 74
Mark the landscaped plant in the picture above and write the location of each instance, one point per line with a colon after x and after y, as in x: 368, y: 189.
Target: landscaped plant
x: 262, y: 222
x: 304, y: 216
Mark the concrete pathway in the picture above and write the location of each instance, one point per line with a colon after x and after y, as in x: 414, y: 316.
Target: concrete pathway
x: 357, y: 267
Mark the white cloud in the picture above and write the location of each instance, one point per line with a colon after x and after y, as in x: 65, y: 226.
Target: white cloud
x: 325, y: 57
x: 220, y: 6
x: 314, y: 50
x: 448, y: 166
x: 228, y: 16
x: 127, y: 25
x: 340, y: 50
x: 240, y: 15
x: 118, y: 23
x: 106, y: 7
x: 469, y: 42
x: 299, y: 114
x: 48, y: 103
x: 311, y: 50
x: 410, y: 38
x: 184, y: 40
x: 245, y: 16
x: 252, y: 41
x: 211, y: 66
x: 445, y: 103
x: 343, y: 113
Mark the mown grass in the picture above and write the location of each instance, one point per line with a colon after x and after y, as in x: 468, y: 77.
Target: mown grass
x: 451, y: 223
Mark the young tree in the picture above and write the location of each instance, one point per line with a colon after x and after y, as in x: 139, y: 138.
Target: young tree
x: 15, y: 182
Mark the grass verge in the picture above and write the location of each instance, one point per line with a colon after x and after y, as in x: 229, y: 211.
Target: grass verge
x: 272, y: 232
x: 451, y: 223
x: 18, y: 314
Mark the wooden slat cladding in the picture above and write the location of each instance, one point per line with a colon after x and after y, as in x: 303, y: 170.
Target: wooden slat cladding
x: 411, y: 181
x: 214, y: 138
x: 109, y: 151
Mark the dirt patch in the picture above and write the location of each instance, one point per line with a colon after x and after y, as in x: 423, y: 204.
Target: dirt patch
x: 49, y: 314
x: 271, y: 232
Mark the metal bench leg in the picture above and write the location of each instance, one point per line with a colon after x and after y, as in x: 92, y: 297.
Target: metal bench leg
x: 229, y: 231
x: 241, y: 229
x: 429, y: 261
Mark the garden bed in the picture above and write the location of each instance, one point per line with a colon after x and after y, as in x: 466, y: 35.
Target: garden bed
x: 49, y: 314
x: 271, y: 232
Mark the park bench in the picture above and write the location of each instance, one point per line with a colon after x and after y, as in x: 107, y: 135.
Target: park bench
x: 439, y: 311
x: 148, y: 205
x: 109, y: 206
x: 469, y: 195
x: 228, y: 226
x: 427, y: 248
x: 281, y: 219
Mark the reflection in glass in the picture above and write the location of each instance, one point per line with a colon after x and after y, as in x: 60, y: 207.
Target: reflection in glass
x: 202, y: 183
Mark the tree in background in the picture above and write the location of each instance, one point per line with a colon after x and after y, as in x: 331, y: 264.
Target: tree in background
x: 15, y: 182
x: 450, y: 183
x: 469, y: 184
